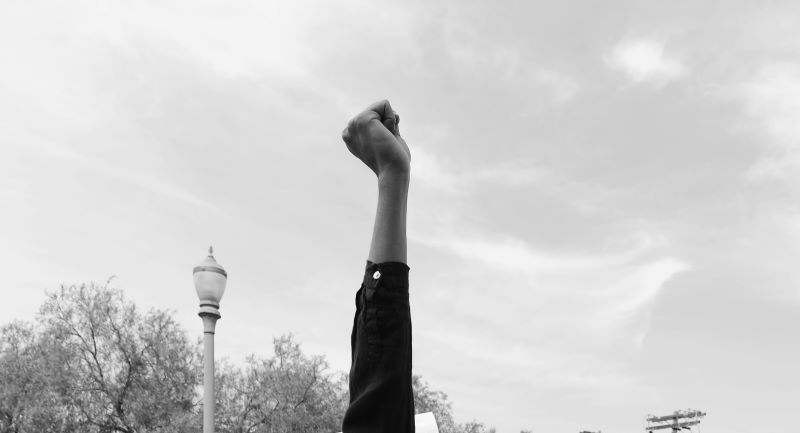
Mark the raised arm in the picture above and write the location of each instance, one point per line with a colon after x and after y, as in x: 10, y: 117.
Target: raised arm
x: 380, y: 380
x: 374, y: 137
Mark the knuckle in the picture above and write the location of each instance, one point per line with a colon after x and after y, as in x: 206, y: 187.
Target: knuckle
x: 360, y: 122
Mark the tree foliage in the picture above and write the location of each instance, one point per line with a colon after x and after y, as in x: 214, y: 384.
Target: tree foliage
x: 32, y: 383
x: 289, y: 392
x: 475, y: 427
x: 430, y: 400
x: 93, y: 363
x: 128, y: 372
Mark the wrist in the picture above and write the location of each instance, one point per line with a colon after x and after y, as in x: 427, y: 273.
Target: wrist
x: 394, y: 179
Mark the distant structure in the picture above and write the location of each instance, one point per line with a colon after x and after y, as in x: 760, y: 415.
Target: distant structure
x: 679, y: 420
x: 587, y: 431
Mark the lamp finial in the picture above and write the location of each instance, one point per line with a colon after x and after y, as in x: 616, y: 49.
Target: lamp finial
x: 211, y: 250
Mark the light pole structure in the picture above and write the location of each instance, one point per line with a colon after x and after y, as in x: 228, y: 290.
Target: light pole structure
x: 209, y: 281
x: 678, y: 421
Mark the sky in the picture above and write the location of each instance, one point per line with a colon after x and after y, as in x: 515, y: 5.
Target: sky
x: 604, y: 219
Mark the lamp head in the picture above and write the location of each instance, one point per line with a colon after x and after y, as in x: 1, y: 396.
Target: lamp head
x: 209, y: 281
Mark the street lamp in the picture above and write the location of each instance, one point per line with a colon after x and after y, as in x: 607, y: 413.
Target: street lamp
x: 209, y: 281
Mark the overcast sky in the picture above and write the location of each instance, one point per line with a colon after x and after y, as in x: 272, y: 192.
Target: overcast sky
x: 604, y: 218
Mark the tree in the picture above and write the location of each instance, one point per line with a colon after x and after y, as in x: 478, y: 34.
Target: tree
x: 30, y: 382
x: 18, y: 384
x: 287, y: 393
x: 123, y: 371
x: 93, y: 363
x: 428, y: 400
x: 475, y: 427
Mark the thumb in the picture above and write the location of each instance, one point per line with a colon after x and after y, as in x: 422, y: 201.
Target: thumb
x: 390, y: 122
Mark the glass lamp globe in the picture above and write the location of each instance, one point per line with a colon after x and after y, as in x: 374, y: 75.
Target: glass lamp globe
x: 209, y: 281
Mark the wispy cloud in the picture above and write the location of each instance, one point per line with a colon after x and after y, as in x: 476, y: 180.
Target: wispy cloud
x: 615, y: 284
x: 772, y: 98
x: 566, y: 320
x: 644, y: 61
x: 433, y: 171
x: 561, y: 87
x: 510, y: 253
x: 504, y: 62
x: 142, y: 180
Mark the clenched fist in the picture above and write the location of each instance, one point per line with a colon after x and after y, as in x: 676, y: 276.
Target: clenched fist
x: 374, y: 138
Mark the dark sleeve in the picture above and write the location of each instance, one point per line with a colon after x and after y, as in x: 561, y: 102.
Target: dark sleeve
x: 381, y: 394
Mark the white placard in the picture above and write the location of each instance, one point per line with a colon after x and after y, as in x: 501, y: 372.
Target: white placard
x: 425, y: 423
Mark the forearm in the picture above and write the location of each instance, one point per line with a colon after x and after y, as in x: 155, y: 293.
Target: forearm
x: 389, y: 243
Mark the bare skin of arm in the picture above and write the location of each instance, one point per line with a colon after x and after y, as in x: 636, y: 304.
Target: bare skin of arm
x: 373, y: 137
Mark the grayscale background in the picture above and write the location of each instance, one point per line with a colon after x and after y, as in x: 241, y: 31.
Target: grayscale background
x: 604, y: 218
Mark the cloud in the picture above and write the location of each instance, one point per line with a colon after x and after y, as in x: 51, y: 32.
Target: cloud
x: 501, y: 61
x: 566, y: 320
x: 620, y: 282
x: 561, y: 87
x: 772, y: 98
x: 143, y: 180
x: 433, y: 172
x: 644, y: 61
x: 512, y: 254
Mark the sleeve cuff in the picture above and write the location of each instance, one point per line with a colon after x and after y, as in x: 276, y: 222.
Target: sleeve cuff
x: 393, y: 267
x: 386, y: 273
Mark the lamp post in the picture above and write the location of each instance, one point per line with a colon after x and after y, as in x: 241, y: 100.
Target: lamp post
x: 209, y: 281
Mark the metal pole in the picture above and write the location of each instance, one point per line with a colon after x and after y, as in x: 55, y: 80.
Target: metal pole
x: 209, y: 324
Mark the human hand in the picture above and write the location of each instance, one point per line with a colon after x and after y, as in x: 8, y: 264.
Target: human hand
x: 374, y: 138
